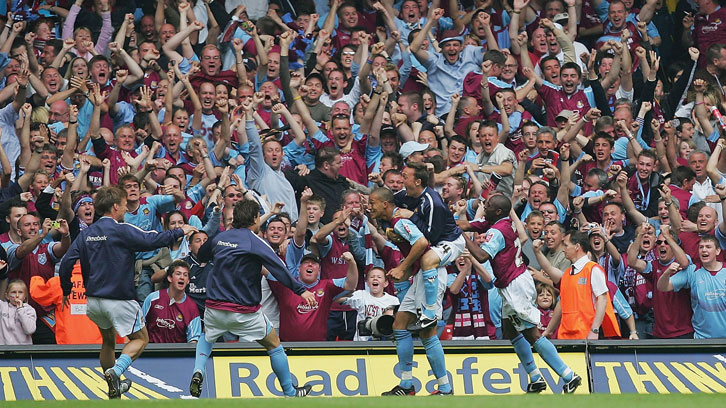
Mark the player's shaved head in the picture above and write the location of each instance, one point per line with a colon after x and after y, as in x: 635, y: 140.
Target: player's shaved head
x: 500, y: 202
x: 383, y: 194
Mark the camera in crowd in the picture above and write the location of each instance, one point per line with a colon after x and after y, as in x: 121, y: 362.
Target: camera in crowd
x: 378, y: 327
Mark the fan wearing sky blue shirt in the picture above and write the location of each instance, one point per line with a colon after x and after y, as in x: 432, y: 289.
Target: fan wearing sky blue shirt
x: 446, y: 70
x: 708, y: 289
x: 145, y: 213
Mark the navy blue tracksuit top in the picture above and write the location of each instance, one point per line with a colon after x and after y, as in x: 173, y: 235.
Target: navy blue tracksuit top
x: 107, y: 250
x: 239, y: 255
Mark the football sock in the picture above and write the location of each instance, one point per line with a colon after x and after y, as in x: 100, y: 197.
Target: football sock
x: 278, y: 361
x: 435, y: 354
x: 401, y: 289
x: 549, y: 354
x: 204, y: 351
x: 122, y: 363
x: 404, y: 349
x: 524, y: 352
x: 431, y: 288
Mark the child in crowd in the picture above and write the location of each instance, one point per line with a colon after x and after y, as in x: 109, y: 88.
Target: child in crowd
x: 546, y: 302
x: 372, y: 301
x: 471, y: 300
x: 17, y: 318
x: 534, y: 224
x: 315, y: 211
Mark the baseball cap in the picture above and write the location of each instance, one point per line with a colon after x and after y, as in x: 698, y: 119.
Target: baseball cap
x: 316, y: 75
x: 250, y: 64
x: 561, y: 18
x: 135, y: 86
x: 311, y: 257
x: 411, y: 147
x: 388, y: 130
x: 451, y: 35
x: 565, y: 114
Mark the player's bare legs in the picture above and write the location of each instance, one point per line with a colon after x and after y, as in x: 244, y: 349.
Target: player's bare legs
x: 132, y: 350
x: 137, y: 343
x: 108, y: 355
x: 271, y: 341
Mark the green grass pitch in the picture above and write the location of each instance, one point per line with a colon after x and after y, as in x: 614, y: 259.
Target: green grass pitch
x: 558, y: 401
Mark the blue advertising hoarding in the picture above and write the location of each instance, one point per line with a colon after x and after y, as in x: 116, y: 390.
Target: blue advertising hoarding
x: 637, y: 372
x: 82, y: 378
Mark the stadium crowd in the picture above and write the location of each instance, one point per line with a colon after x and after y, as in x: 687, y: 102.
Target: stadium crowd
x: 600, y: 122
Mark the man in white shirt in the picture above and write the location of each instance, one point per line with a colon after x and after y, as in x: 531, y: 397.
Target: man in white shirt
x: 703, y: 187
x: 577, y: 319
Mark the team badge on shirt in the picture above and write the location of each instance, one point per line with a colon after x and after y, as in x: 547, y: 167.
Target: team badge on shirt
x: 42, y: 259
x: 319, y: 293
x: 179, y: 317
x: 188, y: 205
x: 580, y: 105
x: 146, y: 211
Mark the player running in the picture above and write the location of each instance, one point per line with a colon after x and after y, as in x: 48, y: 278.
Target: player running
x: 412, y: 243
x: 234, y: 294
x: 520, y: 316
x: 109, y: 286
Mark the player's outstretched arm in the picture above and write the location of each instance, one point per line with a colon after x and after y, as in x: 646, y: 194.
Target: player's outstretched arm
x: 479, y: 254
x: 139, y: 240
x: 277, y: 268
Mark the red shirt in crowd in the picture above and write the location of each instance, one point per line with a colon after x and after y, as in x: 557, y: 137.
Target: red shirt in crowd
x: 300, y: 322
x: 708, y: 30
x: 672, y: 310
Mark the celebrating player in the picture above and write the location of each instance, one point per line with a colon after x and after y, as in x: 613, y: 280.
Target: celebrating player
x: 412, y: 244
x: 234, y: 293
x: 520, y: 316
x: 434, y: 219
x: 110, y: 289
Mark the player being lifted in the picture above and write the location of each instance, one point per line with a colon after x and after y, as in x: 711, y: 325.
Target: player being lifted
x: 427, y: 210
x: 412, y: 243
x: 520, y: 316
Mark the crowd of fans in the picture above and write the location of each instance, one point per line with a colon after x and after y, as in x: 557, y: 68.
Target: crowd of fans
x: 603, y: 117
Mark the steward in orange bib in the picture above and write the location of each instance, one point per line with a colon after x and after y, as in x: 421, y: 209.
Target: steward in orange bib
x: 584, y: 297
x: 72, y: 324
